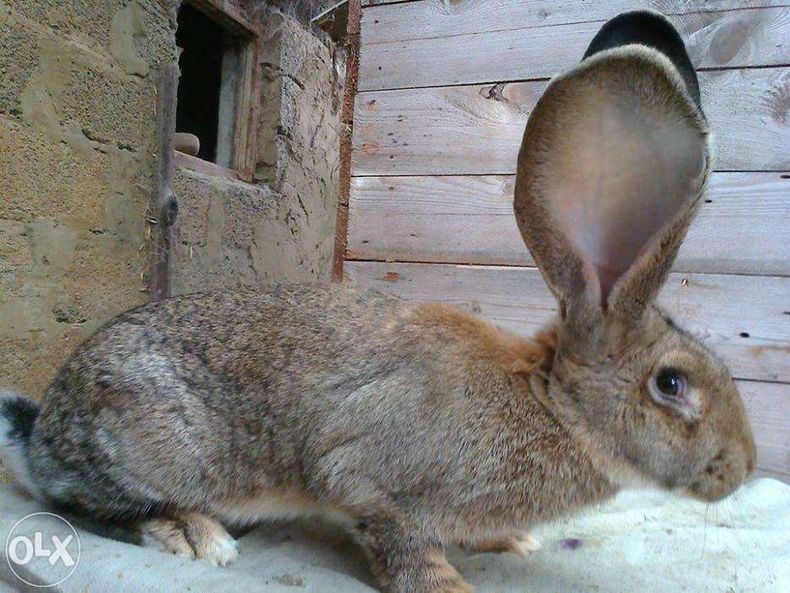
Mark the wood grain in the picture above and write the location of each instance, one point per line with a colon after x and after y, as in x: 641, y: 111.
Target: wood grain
x: 229, y: 16
x: 161, y: 238
x: 433, y: 169
x: 346, y: 135
x: 768, y: 407
x: 477, y: 129
x: 743, y: 227
x: 726, y: 39
x: 439, y: 18
x: 743, y: 318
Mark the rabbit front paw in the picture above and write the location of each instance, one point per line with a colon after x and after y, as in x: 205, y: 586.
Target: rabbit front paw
x: 407, y: 560
x: 190, y: 535
x: 520, y: 544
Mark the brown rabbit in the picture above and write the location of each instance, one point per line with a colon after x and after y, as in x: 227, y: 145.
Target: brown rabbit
x: 423, y: 425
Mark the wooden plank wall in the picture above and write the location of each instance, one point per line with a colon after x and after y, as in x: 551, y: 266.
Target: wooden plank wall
x: 446, y: 88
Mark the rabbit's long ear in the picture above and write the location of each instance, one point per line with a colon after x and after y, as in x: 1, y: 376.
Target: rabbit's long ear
x: 612, y: 165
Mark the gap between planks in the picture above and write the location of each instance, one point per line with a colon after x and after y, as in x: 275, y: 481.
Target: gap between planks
x: 525, y: 266
x: 529, y: 265
x: 546, y: 79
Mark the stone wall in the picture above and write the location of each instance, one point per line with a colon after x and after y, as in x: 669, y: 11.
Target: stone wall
x: 283, y: 226
x: 77, y: 131
x: 77, y: 139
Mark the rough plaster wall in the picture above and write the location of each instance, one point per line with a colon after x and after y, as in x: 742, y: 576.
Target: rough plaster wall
x: 309, y: 79
x: 282, y: 227
x: 234, y: 234
x: 77, y: 135
x: 77, y: 139
x: 77, y: 146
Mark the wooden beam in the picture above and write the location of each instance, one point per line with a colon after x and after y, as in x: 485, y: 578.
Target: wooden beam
x: 247, y: 109
x: 164, y: 205
x: 742, y: 318
x: 347, y: 130
x: 477, y: 129
x: 228, y: 116
x: 743, y: 226
x: 727, y: 39
x: 231, y: 17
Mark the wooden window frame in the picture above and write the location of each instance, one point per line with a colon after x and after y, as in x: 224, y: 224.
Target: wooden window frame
x: 245, y: 140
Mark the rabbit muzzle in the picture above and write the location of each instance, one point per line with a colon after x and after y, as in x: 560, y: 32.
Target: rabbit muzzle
x: 725, y: 472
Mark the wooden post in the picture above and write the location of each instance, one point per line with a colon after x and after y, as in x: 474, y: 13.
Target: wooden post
x: 163, y: 203
x: 347, y: 129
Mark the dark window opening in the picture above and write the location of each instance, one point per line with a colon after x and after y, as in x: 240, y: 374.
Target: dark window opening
x: 207, y: 88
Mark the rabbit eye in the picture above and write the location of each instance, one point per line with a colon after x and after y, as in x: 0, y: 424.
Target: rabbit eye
x: 670, y: 387
x: 668, y: 383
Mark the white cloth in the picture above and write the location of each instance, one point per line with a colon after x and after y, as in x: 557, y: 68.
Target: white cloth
x: 643, y: 542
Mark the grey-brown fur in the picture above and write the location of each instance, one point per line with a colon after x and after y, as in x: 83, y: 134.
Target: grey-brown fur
x: 408, y: 418
x: 423, y: 425
x: 305, y: 389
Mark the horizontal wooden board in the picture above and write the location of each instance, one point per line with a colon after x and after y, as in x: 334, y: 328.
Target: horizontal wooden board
x: 477, y: 129
x: 724, y: 39
x: 427, y: 19
x: 746, y: 319
x: 439, y: 18
x: 768, y: 406
x: 743, y: 227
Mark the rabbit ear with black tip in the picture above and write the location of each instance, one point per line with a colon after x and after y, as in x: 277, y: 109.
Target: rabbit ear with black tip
x: 612, y: 166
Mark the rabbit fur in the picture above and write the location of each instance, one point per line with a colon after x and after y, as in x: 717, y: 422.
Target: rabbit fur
x: 420, y: 425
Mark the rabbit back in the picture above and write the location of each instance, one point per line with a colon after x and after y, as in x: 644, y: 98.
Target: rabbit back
x: 300, y: 399
x: 201, y: 397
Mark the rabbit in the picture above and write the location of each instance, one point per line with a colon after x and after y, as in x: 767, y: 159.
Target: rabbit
x: 421, y: 426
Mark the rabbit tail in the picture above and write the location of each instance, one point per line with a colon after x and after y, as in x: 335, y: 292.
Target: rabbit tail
x: 17, y: 416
